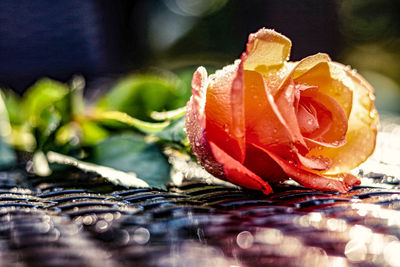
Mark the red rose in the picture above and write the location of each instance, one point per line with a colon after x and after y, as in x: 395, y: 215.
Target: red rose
x: 263, y: 119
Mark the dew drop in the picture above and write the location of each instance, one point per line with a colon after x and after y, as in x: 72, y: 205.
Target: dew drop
x: 238, y: 131
x: 197, y: 142
x: 372, y: 114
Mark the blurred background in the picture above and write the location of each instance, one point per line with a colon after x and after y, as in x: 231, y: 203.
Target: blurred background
x: 103, y: 40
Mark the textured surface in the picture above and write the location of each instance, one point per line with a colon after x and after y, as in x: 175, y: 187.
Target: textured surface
x: 77, y: 219
x: 53, y: 223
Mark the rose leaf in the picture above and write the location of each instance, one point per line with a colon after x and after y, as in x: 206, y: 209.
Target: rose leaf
x: 44, y: 94
x: 138, y: 95
x: 175, y: 132
x: 131, y: 153
x: 114, y: 176
x: 7, y: 155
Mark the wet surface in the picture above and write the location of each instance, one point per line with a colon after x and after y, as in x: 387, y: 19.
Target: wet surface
x: 78, y: 219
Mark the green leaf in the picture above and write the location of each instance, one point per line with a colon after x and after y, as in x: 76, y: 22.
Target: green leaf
x: 68, y: 132
x: 175, y: 132
x: 118, y: 119
x: 22, y: 138
x: 114, y: 176
x: 50, y: 105
x: 130, y: 153
x: 139, y: 95
x: 92, y: 133
x: 43, y: 94
x: 7, y: 155
x: 13, y: 104
x: 50, y: 119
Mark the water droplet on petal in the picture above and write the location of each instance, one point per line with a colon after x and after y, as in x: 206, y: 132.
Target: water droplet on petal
x: 226, y: 128
x: 373, y: 114
x: 239, y: 133
x: 197, y: 142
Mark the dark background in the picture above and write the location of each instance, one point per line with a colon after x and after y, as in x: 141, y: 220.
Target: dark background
x: 101, y: 38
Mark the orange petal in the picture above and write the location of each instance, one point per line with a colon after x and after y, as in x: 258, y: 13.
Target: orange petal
x: 315, y: 70
x: 317, y: 164
x: 308, y: 63
x: 341, y: 183
x: 332, y: 120
x: 238, y: 128
x: 362, y: 123
x: 307, y: 118
x: 261, y: 164
x: 266, y: 49
x: 292, y: 70
x: 214, y: 159
x: 223, y: 121
x: 196, y: 123
x: 265, y: 126
x: 197, y: 101
x: 238, y: 174
x: 284, y: 100
x: 269, y: 128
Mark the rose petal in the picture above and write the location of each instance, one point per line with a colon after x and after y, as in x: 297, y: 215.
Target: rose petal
x: 261, y: 164
x: 315, y: 70
x: 214, y: 159
x: 292, y: 70
x: 308, y: 63
x: 265, y: 126
x: 285, y: 101
x: 196, y: 122
x: 221, y: 123
x: 238, y: 174
x: 307, y: 118
x: 238, y: 128
x: 266, y: 49
x: 332, y: 120
x: 362, y: 124
x: 312, y: 66
x: 317, y: 164
x: 197, y: 101
x: 341, y: 183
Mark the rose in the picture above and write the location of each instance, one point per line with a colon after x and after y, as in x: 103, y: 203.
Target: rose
x: 262, y: 119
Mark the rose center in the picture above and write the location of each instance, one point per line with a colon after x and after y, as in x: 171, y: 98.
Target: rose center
x: 307, y: 118
x: 313, y: 118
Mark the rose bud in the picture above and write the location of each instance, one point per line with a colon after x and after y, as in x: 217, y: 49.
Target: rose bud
x: 264, y: 120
